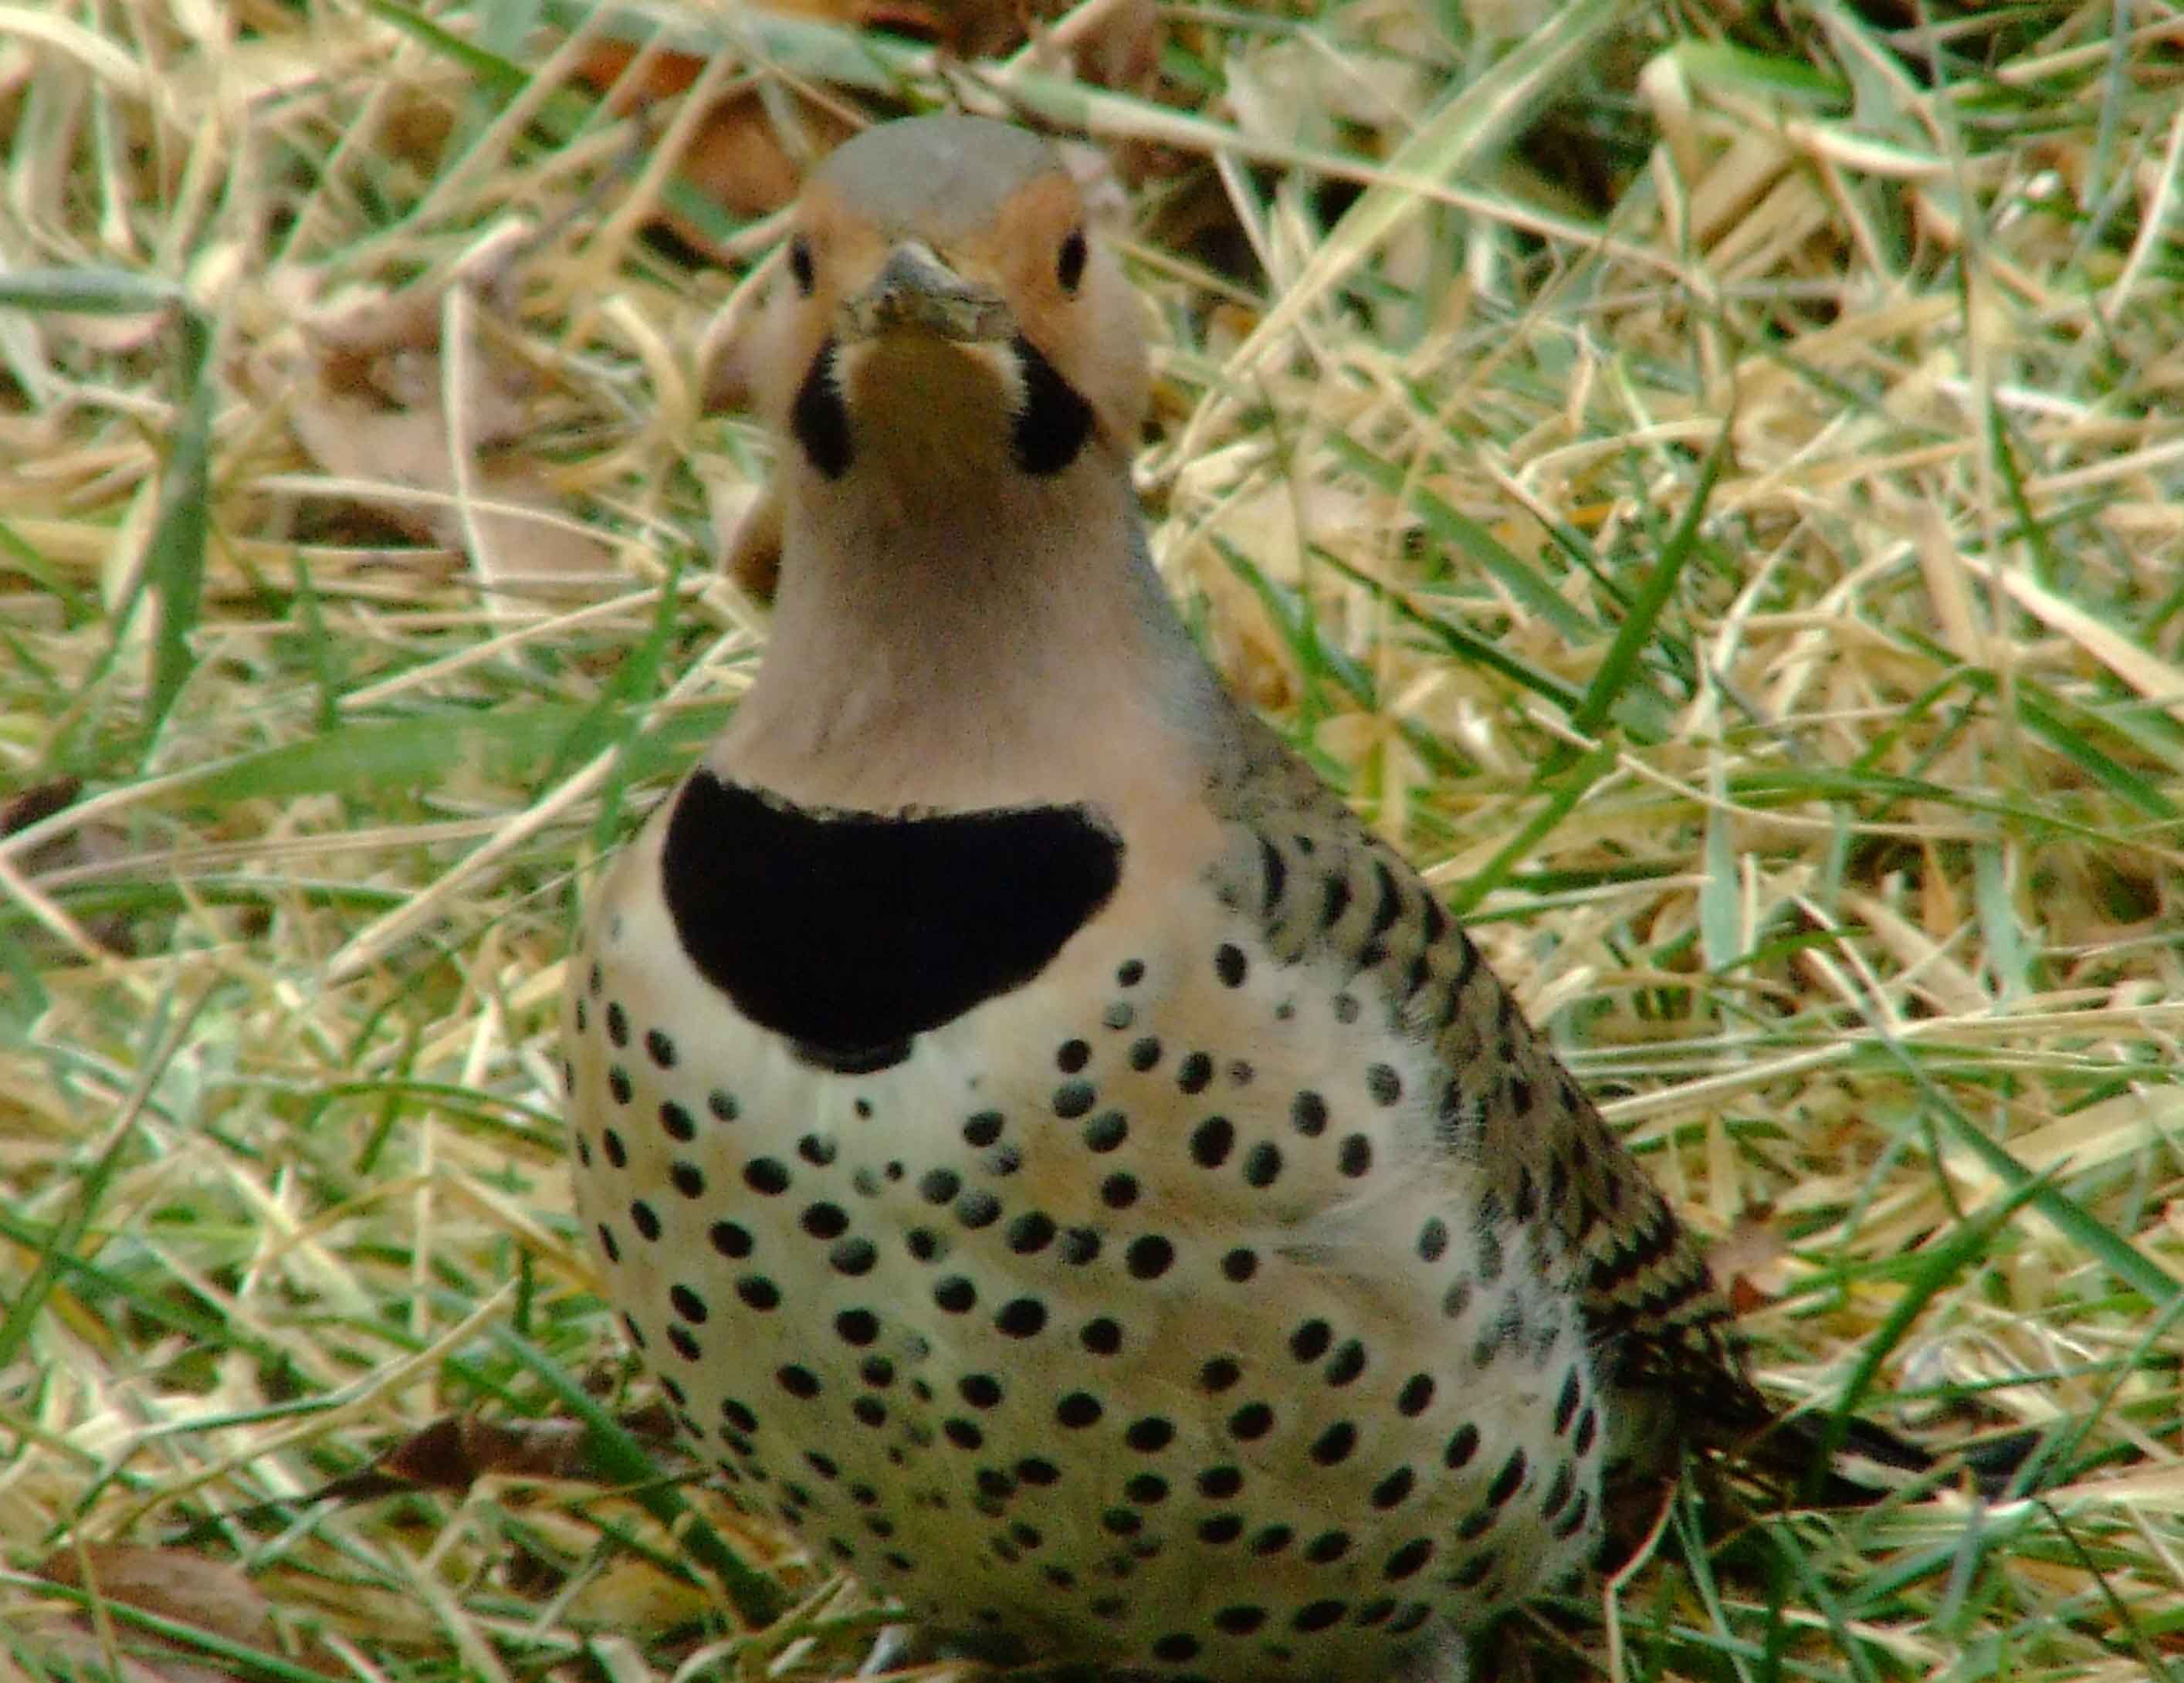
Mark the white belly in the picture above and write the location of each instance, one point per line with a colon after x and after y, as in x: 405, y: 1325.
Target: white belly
x: 1121, y: 1327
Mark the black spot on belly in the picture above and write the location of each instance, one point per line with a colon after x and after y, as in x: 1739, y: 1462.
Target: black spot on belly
x: 851, y: 933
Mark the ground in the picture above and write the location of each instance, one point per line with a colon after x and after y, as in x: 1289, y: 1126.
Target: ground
x: 1709, y: 482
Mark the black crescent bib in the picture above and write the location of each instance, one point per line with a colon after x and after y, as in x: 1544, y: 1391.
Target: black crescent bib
x: 848, y: 934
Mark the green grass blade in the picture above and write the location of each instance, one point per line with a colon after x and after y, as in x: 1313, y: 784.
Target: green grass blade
x: 757, y: 1599
x: 1620, y: 666
x: 174, y: 559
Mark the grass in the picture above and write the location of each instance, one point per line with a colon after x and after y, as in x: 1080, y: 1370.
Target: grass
x: 1708, y: 481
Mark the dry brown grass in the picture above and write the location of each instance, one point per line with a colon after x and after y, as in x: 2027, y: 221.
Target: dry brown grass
x: 1711, y: 486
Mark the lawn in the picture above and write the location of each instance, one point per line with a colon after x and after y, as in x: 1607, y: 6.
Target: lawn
x: 1707, y: 481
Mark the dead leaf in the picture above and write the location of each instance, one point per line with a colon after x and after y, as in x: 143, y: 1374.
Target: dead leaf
x: 25, y: 807
x: 184, y: 1588
x: 751, y: 152
x: 456, y: 1451
x: 188, y: 1588
x: 85, y: 845
x: 738, y: 156
x: 1751, y: 1260
x: 365, y: 380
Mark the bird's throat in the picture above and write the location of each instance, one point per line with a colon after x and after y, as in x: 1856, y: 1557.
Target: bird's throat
x: 953, y: 651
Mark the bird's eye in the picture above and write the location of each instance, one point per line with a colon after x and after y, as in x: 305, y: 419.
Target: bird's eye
x: 799, y: 263
x: 1069, y: 267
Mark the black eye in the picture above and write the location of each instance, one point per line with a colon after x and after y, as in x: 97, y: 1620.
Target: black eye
x: 1069, y: 267
x: 799, y: 263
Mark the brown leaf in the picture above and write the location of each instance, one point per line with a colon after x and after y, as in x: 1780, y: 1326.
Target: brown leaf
x: 366, y: 389
x: 186, y: 1589
x: 737, y: 156
x: 25, y: 807
x: 451, y: 1453
x: 750, y: 155
x: 1744, y: 1297
x: 456, y: 1451
x: 1751, y: 1260
x: 86, y: 845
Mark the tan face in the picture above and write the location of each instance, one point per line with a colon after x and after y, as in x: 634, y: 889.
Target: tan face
x: 936, y: 297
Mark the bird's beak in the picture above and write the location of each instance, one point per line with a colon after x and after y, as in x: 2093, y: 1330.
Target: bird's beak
x: 915, y: 290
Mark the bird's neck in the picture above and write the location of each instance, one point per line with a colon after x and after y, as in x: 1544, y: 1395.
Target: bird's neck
x: 964, y: 639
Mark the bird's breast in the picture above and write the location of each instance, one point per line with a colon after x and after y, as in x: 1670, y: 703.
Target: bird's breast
x: 849, y: 934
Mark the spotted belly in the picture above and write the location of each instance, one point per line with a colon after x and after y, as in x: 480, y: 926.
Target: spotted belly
x: 1124, y: 1332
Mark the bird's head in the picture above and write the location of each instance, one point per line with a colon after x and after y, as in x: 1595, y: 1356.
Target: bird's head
x: 942, y: 308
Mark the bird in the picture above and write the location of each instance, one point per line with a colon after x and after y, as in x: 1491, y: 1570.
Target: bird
x: 1054, y: 1155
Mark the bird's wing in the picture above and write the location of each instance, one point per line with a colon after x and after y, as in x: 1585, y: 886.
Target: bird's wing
x: 1327, y: 888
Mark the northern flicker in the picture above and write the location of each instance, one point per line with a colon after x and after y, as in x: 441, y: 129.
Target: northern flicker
x: 1051, y: 1152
